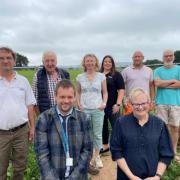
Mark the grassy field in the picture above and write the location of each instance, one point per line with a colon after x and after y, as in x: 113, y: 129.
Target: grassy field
x: 32, y: 171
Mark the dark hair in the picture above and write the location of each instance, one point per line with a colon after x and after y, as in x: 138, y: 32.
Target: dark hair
x: 8, y: 50
x: 65, y: 84
x: 113, y: 69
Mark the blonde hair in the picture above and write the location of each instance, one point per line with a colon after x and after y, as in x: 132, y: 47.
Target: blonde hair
x: 93, y: 56
x: 136, y: 92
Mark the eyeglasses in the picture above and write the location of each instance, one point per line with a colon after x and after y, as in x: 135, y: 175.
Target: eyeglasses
x: 136, y: 105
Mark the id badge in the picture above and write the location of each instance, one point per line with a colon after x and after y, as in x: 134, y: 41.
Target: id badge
x: 69, y: 161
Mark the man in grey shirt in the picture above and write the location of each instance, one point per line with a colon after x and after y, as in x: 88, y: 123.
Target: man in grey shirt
x: 137, y: 76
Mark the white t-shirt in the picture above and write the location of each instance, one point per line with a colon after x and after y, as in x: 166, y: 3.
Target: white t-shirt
x: 15, y: 96
x: 91, y: 91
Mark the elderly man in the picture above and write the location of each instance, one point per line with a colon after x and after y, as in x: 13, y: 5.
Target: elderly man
x: 137, y: 76
x: 140, y: 143
x: 45, y: 80
x: 63, y: 138
x: 16, y: 109
x: 167, y: 81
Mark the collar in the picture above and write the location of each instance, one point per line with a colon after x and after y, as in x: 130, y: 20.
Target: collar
x: 14, y: 77
x: 60, y: 113
x: 137, y: 121
x: 133, y: 67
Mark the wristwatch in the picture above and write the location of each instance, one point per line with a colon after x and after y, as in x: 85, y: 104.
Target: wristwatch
x: 159, y: 175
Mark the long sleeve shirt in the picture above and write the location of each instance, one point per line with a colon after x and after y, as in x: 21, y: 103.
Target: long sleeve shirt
x: 49, y: 145
x: 141, y: 146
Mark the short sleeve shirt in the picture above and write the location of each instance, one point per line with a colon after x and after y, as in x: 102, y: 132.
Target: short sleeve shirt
x: 137, y: 78
x: 91, y: 91
x: 15, y: 95
x: 115, y: 82
x: 168, y: 96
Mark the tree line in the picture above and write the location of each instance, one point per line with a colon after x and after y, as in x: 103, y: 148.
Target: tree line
x: 22, y: 61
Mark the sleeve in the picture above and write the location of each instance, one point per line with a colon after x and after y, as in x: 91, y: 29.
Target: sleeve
x: 116, y: 144
x: 103, y: 77
x: 123, y: 73
x: 166, y: 153
x: 29, y: 96
x: 34, y: 86
x: 81, y: 169
x: 119, y: 81
x: 77, y: 78
x: 155, y: 74
x: 42, y: 150
x: 178, y: 72
x: 151, y: 75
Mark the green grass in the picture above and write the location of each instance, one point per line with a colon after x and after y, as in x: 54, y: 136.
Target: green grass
x: 28, y: 74
x: 32, y: 171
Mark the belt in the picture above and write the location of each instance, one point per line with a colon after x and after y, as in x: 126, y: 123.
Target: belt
x: 15, y: 128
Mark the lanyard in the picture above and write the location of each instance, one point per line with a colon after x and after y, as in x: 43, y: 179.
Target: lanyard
x: 65, y: 135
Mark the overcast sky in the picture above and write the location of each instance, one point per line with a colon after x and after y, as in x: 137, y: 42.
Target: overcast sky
x: 73, y: 28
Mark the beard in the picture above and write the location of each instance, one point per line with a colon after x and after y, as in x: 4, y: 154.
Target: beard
x: 168, y: 64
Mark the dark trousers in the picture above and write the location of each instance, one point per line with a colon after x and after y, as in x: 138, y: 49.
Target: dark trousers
x: 112, y: 118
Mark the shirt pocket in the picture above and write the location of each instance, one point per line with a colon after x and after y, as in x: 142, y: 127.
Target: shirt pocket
x: 18, y: 92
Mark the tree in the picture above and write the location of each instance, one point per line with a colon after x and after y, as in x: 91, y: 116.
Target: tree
x: 21, y: 60
x: 154, y: 63
x: 177, y: 56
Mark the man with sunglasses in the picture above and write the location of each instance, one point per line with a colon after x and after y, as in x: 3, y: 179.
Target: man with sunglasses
x: 140, y: 142
x: 167, y: 81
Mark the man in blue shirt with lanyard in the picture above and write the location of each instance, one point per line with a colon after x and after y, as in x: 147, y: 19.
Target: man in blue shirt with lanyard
x: 63, y: 141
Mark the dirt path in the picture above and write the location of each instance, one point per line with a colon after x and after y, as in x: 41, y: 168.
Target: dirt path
x: 108, y: 172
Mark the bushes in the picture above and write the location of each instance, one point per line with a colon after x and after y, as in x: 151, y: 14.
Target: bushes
x: 32, y: 170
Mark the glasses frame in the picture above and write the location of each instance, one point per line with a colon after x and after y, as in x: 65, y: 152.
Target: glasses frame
x: 137, y: 105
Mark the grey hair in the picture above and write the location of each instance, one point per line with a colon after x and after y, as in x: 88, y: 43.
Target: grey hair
x: 166, y: 51
x: 49, y: 52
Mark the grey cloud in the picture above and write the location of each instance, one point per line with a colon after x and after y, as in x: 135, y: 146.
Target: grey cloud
x: 74, y: 28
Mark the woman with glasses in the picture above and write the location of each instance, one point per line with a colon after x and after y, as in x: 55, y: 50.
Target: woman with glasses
x: 140, y: 143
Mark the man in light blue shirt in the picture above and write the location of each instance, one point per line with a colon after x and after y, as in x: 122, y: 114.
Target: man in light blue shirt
x: 167, y: 81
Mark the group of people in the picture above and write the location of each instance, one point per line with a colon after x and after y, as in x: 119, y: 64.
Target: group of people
x: 72, y: 130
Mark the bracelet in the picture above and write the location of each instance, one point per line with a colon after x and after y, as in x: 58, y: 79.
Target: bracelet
x: 159, y: 175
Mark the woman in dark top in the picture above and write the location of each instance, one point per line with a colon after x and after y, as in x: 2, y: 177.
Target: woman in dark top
x: 115, y: 87
x: 141, y: 144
